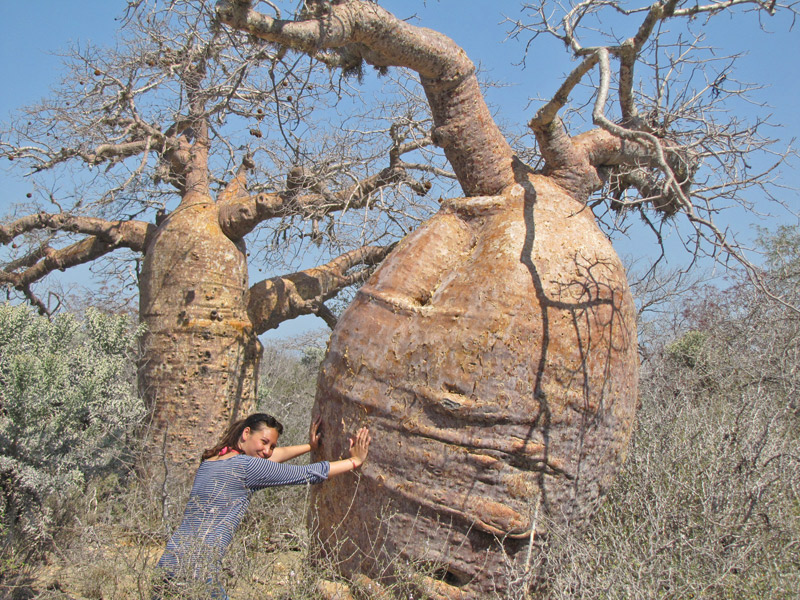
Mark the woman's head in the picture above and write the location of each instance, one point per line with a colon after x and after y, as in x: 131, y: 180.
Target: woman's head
x: 257, y: 435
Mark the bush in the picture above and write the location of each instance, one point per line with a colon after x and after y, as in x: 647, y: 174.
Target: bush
x: 68, y: 410
x: 706, y: 506
x: 708, y: 503
x: 688, y: 349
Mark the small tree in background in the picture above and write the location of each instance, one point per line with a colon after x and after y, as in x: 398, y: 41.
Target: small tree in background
x: 68, y: 412
x: 287, y: 383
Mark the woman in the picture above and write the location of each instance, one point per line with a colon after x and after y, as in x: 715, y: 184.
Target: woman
x: 247, y: 458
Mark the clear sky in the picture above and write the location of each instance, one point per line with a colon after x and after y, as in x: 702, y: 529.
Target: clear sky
x: 31, y: 31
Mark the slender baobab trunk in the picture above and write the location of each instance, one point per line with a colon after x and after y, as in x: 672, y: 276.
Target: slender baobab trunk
x: 203, y: 320
x: 465, y: 130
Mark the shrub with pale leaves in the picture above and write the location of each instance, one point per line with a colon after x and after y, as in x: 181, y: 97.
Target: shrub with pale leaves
x: 68, y: 411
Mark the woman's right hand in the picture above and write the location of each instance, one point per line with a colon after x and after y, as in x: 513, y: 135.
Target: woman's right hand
x: 359, y: 447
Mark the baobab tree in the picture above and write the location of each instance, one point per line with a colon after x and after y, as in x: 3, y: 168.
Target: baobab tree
x: 493, y: 353
x: 159, y: 136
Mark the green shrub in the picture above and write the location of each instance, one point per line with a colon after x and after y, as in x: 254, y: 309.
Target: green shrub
x: 68, y: 410
x: 688, y: 348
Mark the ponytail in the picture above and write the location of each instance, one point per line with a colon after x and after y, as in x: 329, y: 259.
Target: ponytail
x: 233, y: 434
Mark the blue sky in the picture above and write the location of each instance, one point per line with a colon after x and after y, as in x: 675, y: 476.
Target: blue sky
x: 31, y: 31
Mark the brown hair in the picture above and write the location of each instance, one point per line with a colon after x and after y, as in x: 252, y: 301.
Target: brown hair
x: 233, y: 434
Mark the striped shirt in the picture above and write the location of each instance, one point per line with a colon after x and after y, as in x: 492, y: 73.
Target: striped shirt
x: 218, y: 500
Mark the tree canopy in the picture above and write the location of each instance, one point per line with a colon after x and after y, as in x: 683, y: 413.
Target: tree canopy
x: 108, y: 155
x: 689, y: 70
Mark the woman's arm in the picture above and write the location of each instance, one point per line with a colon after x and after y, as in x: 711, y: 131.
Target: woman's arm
x: 358, y: 454
x: 263, y: 473
x: 284, y: 453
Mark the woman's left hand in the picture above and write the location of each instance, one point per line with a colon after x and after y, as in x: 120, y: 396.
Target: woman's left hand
x: 315, y: 434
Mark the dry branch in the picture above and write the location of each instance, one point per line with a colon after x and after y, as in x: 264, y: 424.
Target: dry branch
x: 464, y: 128
x: 279, y: 299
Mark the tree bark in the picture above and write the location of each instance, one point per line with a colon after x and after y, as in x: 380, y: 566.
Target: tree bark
x: 201, y: 351
x: 493, y: 355
x: 279, y: 299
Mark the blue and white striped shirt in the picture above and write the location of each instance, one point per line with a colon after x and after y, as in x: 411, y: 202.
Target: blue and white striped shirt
x: 218, y: 500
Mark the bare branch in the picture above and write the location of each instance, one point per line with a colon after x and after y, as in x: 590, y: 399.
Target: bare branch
x: 714, y: 7
x: 547, y: 113
x: 278, y: 299
x: 82, y: 252
x: 127, y: 234
x: 34, y: 300
x: 366, y: 31
x: 28, y: 260
x: 326, y: 314
x: 240, y: 213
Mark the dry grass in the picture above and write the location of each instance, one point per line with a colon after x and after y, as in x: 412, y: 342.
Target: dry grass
x: 708, y: 504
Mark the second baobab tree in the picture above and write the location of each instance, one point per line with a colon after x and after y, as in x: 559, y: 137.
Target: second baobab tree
x: 493, y: 354
x: 138, y: 165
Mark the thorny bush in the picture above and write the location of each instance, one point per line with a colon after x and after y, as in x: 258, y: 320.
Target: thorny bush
x: 708, y: 504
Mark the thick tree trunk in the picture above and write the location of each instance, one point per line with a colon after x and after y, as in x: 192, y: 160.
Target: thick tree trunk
x: 201, y: 352
x: 493, y: 354
x: 494, y: 357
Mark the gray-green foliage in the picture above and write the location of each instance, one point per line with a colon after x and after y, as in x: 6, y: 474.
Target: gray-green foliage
x: 688, y: 348
x: 68, y: 410
x: 783, y: 259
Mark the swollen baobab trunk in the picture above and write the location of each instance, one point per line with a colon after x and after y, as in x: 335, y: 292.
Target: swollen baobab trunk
x: 493, y: 354
x: 201, y: 353
x: 494, y: 357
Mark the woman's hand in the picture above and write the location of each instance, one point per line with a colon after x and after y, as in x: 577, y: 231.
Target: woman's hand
x: 284, y: 453
x: 359, y: 448
x: 315, y: 434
